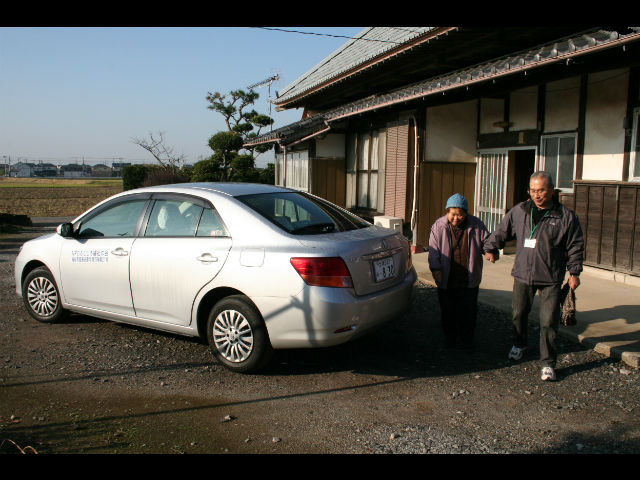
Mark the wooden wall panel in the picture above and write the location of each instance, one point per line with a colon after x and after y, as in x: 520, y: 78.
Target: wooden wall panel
x: 594, y: 224
x: 609, y: 220
x: 635, y: 249
x: 328, y: 179
x: 397, y: 171
x: 609, y: 213
x: 625, y: 228
x: 438, y: 181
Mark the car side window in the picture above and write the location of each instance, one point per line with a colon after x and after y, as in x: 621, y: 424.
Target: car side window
x: 118, y: 221
x: 211, y: 225
x: 173, y: 218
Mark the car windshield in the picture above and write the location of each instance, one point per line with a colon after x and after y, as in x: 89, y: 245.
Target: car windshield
x: 302, y: 214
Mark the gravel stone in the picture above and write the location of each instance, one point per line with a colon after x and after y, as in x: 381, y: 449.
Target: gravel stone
x: 91, y: 386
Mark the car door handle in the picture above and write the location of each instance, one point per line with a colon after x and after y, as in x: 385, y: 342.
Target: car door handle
x: 121, y: 252
x: 207, y: 258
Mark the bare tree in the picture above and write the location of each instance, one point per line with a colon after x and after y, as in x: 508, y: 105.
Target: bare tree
x: 163, y: 154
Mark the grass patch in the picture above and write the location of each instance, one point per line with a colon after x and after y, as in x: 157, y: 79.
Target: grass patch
x: 43, y: 197
x: 10, y: 182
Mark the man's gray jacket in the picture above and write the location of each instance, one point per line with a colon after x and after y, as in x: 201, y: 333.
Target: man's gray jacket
x: 559, y: 244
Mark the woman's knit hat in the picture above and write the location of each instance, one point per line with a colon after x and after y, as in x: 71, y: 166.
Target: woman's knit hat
x: 457, y: 201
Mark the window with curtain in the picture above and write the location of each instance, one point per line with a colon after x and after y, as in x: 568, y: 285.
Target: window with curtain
x: 297, y: 170
x: 558, y: 154
x: 365, y: 170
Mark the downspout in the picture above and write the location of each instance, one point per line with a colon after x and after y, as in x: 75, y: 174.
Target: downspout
x: 284, y: 165
x: 416, y: 166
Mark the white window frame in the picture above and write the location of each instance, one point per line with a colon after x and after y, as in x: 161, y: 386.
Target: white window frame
x: 634, y: 157
x: 542, y: 157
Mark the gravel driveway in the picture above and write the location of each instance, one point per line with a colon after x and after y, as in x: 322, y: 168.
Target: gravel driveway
x: 92, y: 386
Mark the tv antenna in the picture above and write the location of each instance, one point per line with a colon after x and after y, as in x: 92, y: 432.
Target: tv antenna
x: 267, y: 81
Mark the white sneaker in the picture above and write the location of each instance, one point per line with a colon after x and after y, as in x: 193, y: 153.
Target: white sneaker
x: 548, y: 374
x: 516, y: 353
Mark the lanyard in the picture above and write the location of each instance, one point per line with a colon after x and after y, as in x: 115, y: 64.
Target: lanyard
x: 533, y: 229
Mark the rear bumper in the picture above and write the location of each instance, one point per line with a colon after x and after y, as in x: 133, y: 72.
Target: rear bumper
x: 323, y: 316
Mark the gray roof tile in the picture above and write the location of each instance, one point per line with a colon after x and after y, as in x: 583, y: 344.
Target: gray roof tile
x: 368, y: 44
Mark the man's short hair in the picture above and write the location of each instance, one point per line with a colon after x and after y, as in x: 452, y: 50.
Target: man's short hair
x: 542, y: 174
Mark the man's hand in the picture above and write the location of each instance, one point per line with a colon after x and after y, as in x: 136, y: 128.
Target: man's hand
x: 437, y: 276
x: 492, y: 257
x: 574, y: 282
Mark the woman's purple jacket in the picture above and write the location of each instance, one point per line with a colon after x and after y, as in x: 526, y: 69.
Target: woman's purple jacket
x: 440, y: 249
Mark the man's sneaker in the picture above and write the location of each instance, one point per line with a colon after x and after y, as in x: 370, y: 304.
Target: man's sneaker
x: 548, y: 374
x: 516, y: 353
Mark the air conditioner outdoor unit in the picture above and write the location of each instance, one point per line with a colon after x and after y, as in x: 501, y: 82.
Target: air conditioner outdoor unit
x: 388, y: 222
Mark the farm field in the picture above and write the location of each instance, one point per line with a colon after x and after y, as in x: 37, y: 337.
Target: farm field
x: 52, y: 197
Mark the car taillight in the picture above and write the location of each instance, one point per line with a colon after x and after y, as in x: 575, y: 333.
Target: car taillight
x: 323, y: 271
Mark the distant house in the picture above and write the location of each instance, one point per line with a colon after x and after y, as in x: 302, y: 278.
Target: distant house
x: 100, y: 170
x: 116, y: 169
x: 394, y: 125
x: 45, y: 170
x: 74, y: 170
x: 22, y: 169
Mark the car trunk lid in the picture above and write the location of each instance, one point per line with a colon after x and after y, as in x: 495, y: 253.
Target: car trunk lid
x: 377, y: 258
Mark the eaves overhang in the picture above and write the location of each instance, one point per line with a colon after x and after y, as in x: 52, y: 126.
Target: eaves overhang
x: 561, y: 51
x: 292, y: 133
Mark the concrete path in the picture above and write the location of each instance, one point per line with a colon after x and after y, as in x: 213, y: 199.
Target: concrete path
x: 608, y: 312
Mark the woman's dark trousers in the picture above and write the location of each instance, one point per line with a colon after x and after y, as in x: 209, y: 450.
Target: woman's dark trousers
x: 459, y: 310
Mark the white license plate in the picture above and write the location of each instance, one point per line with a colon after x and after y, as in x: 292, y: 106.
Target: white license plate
x: 384, y: 269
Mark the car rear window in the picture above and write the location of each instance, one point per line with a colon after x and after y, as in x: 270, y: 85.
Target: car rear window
x: 301, y: 214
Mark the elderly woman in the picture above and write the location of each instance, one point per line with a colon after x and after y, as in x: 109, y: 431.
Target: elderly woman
x: 455, y: 259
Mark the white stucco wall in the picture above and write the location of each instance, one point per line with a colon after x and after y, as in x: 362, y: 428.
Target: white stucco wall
x: 451, y: 132
x: 333, y: 145
x: 562, y: 105
x: 491, y: 111
x: 604, y: 132
x: 523, y: 109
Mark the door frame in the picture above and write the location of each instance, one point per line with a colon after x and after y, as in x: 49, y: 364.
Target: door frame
x: 492, y: 212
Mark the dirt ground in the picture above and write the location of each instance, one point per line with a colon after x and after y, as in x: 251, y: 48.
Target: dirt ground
x: 92, y: 386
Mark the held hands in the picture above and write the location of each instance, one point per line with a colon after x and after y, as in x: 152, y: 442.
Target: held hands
x: 437, y: 276
x: 492, y: 257
x: 574, y: 282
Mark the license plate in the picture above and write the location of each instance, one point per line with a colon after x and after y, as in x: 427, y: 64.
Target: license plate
x: 384, y: 269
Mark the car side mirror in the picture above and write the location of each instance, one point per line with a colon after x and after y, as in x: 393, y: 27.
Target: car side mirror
x: 65, y: 230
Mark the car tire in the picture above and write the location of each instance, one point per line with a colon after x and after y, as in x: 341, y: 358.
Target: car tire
x: 237, y: 335
x: 41, y: 296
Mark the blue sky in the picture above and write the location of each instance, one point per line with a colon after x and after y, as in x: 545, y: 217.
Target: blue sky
x: 69, y: 93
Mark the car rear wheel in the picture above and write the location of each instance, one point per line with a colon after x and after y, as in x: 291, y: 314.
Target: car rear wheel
x: 237, y: 335
x: 42, y: 297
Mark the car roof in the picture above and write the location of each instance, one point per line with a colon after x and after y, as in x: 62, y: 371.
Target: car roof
x: 232, y: 189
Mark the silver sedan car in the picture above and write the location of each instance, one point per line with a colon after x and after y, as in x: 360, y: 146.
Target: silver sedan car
x: 251, y: 268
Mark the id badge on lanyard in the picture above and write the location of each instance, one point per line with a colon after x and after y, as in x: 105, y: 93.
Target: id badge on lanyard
x: 531, y: 242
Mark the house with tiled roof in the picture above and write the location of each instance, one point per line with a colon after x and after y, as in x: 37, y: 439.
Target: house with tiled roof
x: 400, y: 118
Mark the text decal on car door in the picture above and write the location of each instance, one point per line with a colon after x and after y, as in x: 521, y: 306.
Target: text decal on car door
x: 89, y: 256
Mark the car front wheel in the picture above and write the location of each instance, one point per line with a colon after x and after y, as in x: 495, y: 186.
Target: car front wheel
x: 237, y: 335
x: 41, y: 296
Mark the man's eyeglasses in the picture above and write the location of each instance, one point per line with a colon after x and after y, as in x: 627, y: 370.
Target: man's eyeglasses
x: 538, y: 192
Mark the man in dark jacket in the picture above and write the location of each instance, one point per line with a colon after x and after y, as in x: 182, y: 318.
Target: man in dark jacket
x: 549, y: 242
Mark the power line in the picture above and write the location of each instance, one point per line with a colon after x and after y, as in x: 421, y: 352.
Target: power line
x: 328, y: 35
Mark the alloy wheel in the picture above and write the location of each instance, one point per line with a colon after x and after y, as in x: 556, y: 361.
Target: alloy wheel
x: 42, y: 296
x: 233, y: 336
